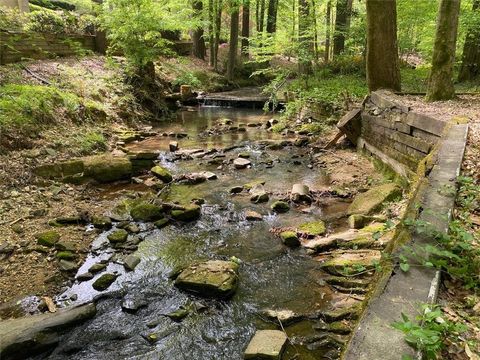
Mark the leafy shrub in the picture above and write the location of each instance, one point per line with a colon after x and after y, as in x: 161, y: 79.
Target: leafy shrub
x: 187, y: 78
x: 46, y: 21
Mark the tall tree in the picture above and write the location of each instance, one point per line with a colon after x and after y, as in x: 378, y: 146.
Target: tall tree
x: 383, y: 70
x: 440, y: 84
x: 245, y: 27
x: 342, y: 22
x: 260, y: 15
x: 470, y: 68
x: 217, y: 26
x: 304, y: 37
x: 198, y: 40
x: 211, y: 32
x: 327, y: 34
x: 272, y: 16
x: 233, y: 44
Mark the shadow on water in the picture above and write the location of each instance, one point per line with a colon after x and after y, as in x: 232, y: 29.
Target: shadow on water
x: 271, y: 275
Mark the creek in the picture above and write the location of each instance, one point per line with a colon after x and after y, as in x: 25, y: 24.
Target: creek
x: 272, y: 276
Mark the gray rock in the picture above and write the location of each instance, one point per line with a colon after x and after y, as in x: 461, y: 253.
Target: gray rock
x: 241, y: 163
x: 97, y: 268
x: 85, y: 276
x: 25, y: 336
x: 300, y: 192
x: 214, y: 278
x: 173, y: 146
x: 258, y: 194
x: 236, y: 189
x: 104, y: 282
x: 131, y: 262
x: 132, y: 305
x: 280, y: 206
x: 253, y: 216
x: 66, y: 265
x: 266, y: 344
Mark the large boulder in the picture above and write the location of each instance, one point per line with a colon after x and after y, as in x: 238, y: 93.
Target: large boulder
x: 188, y: 213
x: 107, y: 168
x: 368, y: 202
x: 266, y: 344
x: 214, y: 278
x: 312, y: 228
x: 241, y: 163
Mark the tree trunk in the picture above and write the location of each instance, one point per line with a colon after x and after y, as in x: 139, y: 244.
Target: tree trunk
x: 233, y: 45
x: 198, y: 40
x: 470, y: 68
x: 315, y: 30
x: 327, y: 34
x: 261, y: 17
x: 217, y: 25
x: 272, y: 16
x: 304, y: 38
x: 383, y: 71
x: 440, y: 84
x: 342, y: 22
x: 245, y: 27
x: 211, y: 34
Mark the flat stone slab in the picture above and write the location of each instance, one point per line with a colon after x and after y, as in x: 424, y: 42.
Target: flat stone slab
x: 25, y: 336
x: 214, y: 278
x: 375, y: 338
x: 368, y: 202
x: 266, y: 344
x: 241, y: 163
x: 351, y: 261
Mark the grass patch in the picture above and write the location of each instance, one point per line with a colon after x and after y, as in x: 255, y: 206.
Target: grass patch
x: 92, y: 141
x: 30, y: 105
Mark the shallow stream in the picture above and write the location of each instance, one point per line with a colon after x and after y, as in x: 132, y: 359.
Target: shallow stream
x: 272, y: 276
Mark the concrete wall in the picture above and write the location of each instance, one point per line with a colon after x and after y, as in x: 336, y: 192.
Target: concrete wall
x: 22, y: 5
x: 395, y: 134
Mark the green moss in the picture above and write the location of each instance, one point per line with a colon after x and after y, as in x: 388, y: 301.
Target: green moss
x: 66, y: 255
x: 280, y: 206
x: 372, y: 200
x: 314, y: 128
x: 105, y: 168
x: 162, y: 173
x: 189, y: 213
x: 313, y: 228
x: 118, y: 236
x: 161, y: 223
x: 252, y: 184
x: 290, y: 238
x: 279, y: 127
x: 90, y: 142
x: 32, y: 105
x: 47, y: 238
x: 104, y: 282
x: 146, y: 212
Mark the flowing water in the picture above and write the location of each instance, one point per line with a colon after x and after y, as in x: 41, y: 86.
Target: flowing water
x: 272, y: 276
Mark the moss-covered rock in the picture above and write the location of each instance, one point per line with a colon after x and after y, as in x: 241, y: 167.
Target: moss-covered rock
x: 280, y: 206
x: 47, y: 238
x: 106, y: 168
x: 372, y: 200
x: 101, y: 222
x: 146, y: 212
x: 214, y: 278
x: 104, y: 282
x: 162, y: 173
x: 312, y: 228
x: 66, y: 255
x: 352, y: 262
x: 290, y: 238
x: 161, y: 223
x: 118, y: 236
x: 188, y: 213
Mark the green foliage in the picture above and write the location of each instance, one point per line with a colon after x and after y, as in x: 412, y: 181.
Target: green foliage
x: 187, y: 78
x: 455, y: 252
x: 346, y: 65
x: 11, y: 19
x: 134, y: 27
x: 428, y: 330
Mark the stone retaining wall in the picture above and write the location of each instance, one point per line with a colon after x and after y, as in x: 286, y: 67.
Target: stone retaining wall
x: 398, y: 136
x: 17, y: 46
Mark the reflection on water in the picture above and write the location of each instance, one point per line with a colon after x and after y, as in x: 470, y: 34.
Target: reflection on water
x: 271, y: 276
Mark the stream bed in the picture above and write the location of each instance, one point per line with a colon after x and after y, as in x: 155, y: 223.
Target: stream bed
x: 271, y: 276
